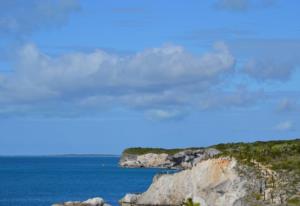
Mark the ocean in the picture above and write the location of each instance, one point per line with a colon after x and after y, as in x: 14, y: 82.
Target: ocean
x: 42, y: 181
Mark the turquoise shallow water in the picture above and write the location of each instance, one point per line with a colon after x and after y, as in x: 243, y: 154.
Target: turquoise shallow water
x: 42, y: 181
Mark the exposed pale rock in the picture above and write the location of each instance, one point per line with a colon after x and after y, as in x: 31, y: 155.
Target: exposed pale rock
x: 150, y: 160
x: 213, y: 182
x: 182, y: 160
x: 130, y: 198
x: 97, y: 201
x: 216, y: 182
x: 199, y: 200
x: 146, y: 160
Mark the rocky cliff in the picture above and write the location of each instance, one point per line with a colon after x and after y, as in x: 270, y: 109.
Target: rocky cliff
x: 181, y: 160
x: 235, y: 174
x: 213, y: 182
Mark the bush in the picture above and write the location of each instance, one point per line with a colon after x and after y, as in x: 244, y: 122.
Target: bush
x: 189, y: 202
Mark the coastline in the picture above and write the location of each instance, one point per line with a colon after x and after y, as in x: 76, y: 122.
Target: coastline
x: 234, y: 174
x: 249, y: 174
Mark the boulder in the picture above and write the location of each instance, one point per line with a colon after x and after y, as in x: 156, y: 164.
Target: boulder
x: 130, y: 198
x: 97, y: 201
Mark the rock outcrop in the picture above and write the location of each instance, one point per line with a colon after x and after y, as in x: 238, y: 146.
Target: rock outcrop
x: 97, y: 201
x: 129, y: 199
x: 181, y: 160
x: 213, y: 182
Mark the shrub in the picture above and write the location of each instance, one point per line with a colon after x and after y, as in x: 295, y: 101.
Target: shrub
x: 189, y: 202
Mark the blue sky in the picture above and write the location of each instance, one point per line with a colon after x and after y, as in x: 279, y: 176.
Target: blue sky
x: 98, y: 76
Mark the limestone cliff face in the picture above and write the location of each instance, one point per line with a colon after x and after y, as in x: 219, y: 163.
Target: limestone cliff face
x: 182, y: 160
x: 213, y: 182
x: 146, y: 160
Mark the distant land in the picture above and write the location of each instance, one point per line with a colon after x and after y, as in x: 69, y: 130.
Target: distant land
x: 257, y: 173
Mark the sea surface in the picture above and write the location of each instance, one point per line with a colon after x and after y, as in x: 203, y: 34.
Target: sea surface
x: 42, y: 181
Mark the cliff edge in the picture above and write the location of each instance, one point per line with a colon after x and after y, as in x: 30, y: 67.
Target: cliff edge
x: 237, y: 174
x: 163, y: 158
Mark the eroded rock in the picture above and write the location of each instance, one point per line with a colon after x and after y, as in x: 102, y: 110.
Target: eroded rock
x: 181, y: 160
x: 97, y: 201
x: 213, y: 182
x: 216, y: 182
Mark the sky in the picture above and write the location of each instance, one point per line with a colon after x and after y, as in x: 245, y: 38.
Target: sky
x: 87, y: 76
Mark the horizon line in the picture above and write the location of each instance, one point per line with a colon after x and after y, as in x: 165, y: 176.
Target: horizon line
x: 61, y: 155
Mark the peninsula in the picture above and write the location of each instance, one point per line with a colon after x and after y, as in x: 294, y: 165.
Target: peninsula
x: 234, y: 174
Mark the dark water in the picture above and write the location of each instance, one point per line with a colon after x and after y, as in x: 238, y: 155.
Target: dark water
x: 42, y: 181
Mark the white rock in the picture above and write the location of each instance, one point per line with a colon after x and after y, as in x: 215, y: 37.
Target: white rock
x: 71, y: 203
x: 153, y: 160
x: 199, y: 200
x: 206, y: 182
x: 184, y: 159
x: 97, y: 201
x: 130, y: 198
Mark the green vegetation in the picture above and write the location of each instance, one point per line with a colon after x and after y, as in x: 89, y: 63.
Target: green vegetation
x: 142, y: 151
x: 189, y: 202
x: 281, y: 156
x: 278, y: 155
x: 294, y: 201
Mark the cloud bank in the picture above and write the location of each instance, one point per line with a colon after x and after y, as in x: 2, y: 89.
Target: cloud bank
x: 159, y: 79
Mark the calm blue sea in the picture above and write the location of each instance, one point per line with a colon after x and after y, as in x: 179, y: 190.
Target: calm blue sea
x: 42, y: 181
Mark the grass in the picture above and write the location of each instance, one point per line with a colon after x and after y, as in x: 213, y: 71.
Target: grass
x: 294, y: 201
x: 278, y: 155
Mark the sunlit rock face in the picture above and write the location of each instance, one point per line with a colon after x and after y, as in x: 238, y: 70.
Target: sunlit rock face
x: 97, y: 201
x: 213, y: 182
x: 146, y: 160
x: 181, y: 160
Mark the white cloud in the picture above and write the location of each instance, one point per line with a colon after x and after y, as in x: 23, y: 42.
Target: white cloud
x: 285, y: 126
x: 157, y: 78
x: 159, y: 114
